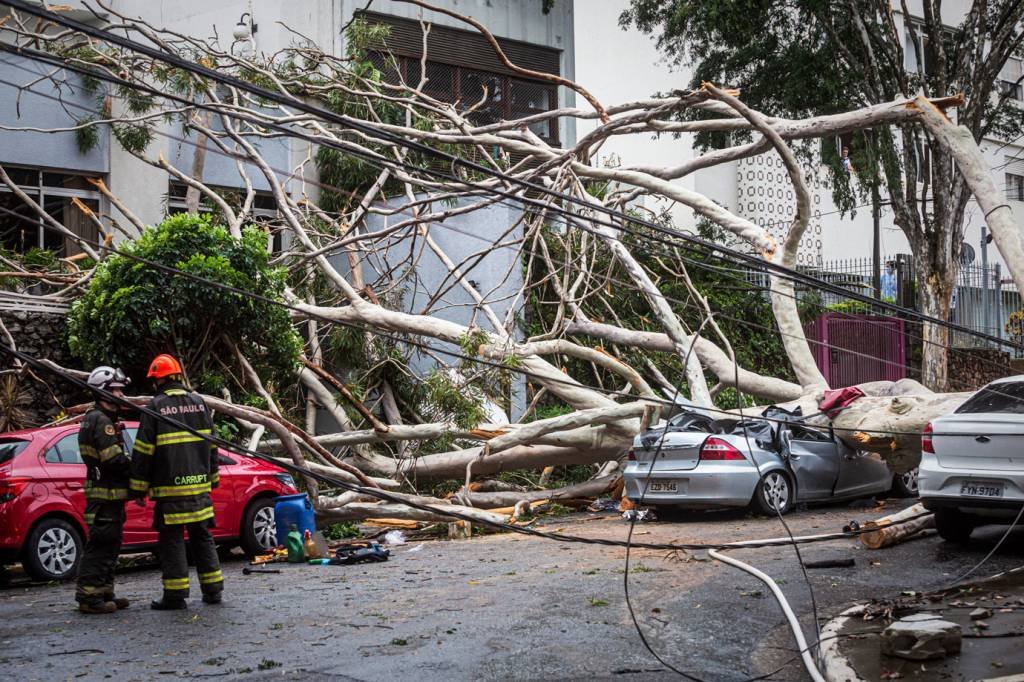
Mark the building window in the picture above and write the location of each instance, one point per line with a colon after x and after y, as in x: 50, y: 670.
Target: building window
x: 483, y: 97
x: 66, y: 197
x: 1010, y: 90
x: 1009, y: 82
x: 463, y: 70
x: 1014, y: 187
x: 263, y: 212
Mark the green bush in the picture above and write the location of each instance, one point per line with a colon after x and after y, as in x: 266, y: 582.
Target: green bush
x: 132, y: 311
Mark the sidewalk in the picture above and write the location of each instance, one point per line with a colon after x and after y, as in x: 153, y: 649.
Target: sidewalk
x: 992, y: 647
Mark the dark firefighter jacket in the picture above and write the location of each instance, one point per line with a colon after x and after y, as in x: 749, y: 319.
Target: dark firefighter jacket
x: 175, y: 467
x: 107, y: 465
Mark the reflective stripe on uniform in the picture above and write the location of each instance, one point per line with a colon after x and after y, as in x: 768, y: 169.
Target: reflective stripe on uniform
x: 98, y: 493
x: 89, y: 518
x: 87, y: 451
x: 175, y: 391
x: 109, y: 453
x: 176, y: 583
x: 215, y: 477
x: 189, y: 517
x: 143, y: 447
x: 179, y: 490
x: 211, y: 577
x: 90, y: 590
x: 138, y: 485
x: 176, y: 437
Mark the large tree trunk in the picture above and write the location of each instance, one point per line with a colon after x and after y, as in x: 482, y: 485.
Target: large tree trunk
x: 936, y: 276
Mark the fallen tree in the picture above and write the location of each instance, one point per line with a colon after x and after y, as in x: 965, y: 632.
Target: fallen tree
x: 417, y: 394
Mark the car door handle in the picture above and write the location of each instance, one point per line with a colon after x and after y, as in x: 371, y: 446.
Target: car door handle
x: 74, y: 486
x: 983, y: 439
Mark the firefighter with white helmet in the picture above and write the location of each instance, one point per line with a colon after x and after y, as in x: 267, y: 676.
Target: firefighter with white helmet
x: 108, y: 470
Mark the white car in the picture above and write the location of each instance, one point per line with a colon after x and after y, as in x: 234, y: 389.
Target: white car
x: 972, y: 461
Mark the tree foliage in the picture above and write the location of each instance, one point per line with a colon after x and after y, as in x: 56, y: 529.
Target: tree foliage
x: 132, y: 311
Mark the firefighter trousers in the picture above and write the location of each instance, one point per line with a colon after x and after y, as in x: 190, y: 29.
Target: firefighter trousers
x: 96, y: 572
x: 174, y: 563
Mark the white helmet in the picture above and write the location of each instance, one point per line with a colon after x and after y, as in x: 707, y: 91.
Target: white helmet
x: 106, y: 378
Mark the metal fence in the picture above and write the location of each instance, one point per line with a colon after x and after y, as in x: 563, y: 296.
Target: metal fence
x: 982, y: 301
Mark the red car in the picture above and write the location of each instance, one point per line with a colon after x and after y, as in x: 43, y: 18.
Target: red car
x: 42, y: 502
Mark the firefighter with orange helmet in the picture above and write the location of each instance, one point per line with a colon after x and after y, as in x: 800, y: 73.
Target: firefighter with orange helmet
x: 177, y: 468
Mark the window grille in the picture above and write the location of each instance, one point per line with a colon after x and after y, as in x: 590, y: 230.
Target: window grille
x: 63, y: 196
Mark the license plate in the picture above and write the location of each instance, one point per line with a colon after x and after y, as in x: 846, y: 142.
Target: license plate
x: 662, y: 487
x: 981, y: 489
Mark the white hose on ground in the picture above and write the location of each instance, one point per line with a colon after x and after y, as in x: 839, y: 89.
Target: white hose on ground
x: 794, y: 624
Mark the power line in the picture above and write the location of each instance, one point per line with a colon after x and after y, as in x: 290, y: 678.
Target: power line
x: 366, y: 128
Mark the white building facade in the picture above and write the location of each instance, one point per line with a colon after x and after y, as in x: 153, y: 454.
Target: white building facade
x: 758, y: 188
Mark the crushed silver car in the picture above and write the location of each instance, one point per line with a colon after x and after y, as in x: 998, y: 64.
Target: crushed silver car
x: 772, y: 465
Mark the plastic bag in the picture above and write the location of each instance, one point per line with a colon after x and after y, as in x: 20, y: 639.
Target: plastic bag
x: 394, y: 537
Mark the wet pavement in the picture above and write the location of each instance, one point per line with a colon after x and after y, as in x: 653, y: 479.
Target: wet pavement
x: 497, y: 607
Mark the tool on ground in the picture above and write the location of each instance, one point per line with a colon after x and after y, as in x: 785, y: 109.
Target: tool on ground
x: 250, y: 571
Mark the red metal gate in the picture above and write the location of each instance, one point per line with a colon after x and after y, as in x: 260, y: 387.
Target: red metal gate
x: 852, y: 349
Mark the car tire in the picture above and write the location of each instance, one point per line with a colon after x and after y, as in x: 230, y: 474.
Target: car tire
x: 53, y: 551
x: 257, y: 533
x: 953, y: 525
x: 774, y: 488
x: 905, y: 485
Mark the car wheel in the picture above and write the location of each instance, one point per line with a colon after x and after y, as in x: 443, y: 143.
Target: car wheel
x: 53, y: 551
x: 953, y: 525
x: 774, y: 492
x: 905, y: 485
x: 259, y: 530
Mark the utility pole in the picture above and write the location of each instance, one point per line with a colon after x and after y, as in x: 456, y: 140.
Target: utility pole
x: 876, y: 243
x: 987, y: 294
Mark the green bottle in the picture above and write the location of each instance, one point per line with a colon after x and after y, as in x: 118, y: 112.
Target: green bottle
x: 296, y: 555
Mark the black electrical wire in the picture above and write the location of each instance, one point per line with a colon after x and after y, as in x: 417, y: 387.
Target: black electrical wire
x: 455, y: 354
x: 389, y: 497
x: 155, y: 54
x: 634, y: 517
x: 736, y: 274
x: 369, y: 129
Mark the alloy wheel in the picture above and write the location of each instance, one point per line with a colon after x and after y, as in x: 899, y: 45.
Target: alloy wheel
x: 776, y: 491
x: 265, y: 528
x: 57, y: 551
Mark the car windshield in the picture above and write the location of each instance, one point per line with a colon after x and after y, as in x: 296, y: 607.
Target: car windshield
x: 1004, y: 397
x: 10, y: 447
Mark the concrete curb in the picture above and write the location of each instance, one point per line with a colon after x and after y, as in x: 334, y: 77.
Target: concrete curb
x: 831, y: 661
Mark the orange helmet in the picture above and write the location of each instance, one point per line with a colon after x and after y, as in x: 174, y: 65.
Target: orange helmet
x: 162, y: 366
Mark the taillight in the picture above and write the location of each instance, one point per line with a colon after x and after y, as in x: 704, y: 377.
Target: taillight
x: 926, y: 439
x: 631, y: 455
x: 717, y: 450
x: 10, y: 488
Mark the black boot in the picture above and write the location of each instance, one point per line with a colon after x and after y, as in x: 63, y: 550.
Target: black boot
x: 165, y: 604
x: 213, y: 598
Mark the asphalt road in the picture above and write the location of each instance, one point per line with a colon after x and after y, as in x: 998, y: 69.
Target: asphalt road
x: 497, y: 607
